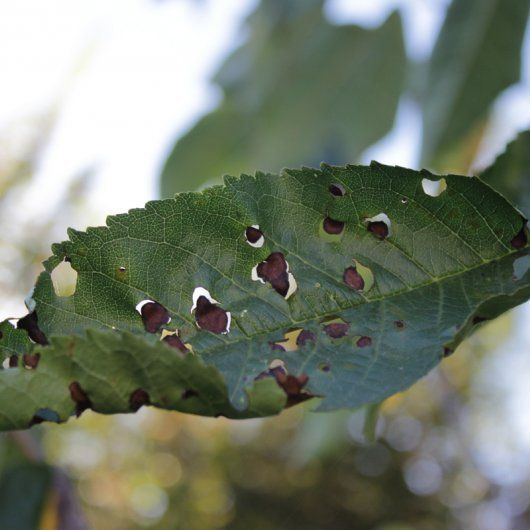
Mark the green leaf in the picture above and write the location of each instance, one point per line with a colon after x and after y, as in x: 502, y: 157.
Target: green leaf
x: 477, y: 56
x: 375, y: 308
x: 290, y: 99
x: 510, y: 174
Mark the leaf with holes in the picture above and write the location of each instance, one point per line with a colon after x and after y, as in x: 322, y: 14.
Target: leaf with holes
x: 345, y: 284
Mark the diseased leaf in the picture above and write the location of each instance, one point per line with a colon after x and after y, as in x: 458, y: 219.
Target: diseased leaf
x: 233, y: 301
x: 477, y: 56
x: 510, y: 174
x: 300, y: 90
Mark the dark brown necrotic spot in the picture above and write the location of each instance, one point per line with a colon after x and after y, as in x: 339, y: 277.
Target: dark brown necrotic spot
x: 30, y: 360
x: 1, y: 335
x: 13, y: 361
x: 364, y: 341
x: 521, y: 239
x: 353, y: 279
x: 293, y: 386
x: 211, y: 317
x: 80, y: 398
x: 324, y: 367
x: 333, y: 227
x: 189, y: 393
x: 378, y: 228
x: 154, y: 316
x: 337, y: 189
x: 138, y: 399
x: 253, y: 234
x: 30, y: 323
x: 478, y: 319
x: 304, y: 337
x: 274, y: 271
x: 399, y: 324
x: 175, y: 342
x: 448, y: 352
x: 336, y: 330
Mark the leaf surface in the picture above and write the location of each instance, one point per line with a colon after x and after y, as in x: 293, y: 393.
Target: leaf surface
x: 388, y: 280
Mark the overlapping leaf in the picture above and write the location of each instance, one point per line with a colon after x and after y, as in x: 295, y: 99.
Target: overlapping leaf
x: 477, y: 56
x: 300, y: 90
x: 388, y: 280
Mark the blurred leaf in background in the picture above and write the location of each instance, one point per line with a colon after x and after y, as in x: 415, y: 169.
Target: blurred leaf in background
x: 298, y: 92
x: 476, y: 56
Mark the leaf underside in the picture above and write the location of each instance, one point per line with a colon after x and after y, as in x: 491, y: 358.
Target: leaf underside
x: 377, y: 303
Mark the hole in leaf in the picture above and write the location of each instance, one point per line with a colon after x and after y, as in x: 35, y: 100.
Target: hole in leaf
x: 404, y: 200
x: 154, y: 315
x: 64, y: 279
x: 30, y: 323
x: 336, y: 328
x: 364, y: 341
x: 521, y: 238
x: 275, y: 270
x: 337, y: 189
x: 122, y: 269
x: 31, y: 360
x: 434, y: 188
x: 379, y: 225
x: 80, y: 398
x: 10, y: 362
x: 290, y: 341
x: 138, y: 399
x: 254, y: 236
x: 44, y: 414
x: 208, y: 315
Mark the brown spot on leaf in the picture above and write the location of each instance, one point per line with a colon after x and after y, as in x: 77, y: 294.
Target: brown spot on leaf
x: 79, y: 396
x: 276, y: 347
x: 189, y: 393
x: 337, y: 189
x: 399, y: 324
x: 30, y: 323
x: 29, y: 360
x: 275, y: 271
x: 13, y: 361
x: 1, y: 335
x: 448, y: 352
x: 353, y: 279
x: 293, y: 386
x: 325, y: 367
x: 211, y: 317
x: 333, y: 227
x: 138, y: 399
x: 253, y: 234
x: 364, y: 341
x: 154, y: 316
x: 337, y: 330
x: 521, y: 239
x: 304, y: 337
x: 175, y: 342
x: 478, y: 319
x: 379, y: 229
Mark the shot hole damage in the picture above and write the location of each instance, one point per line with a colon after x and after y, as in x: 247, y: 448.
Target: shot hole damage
x: 275, y: 271
x: 30, y: 323
x: 64, y: 279
x: 434, y: 188
x: 208, y: 315
x: 154, y: 315
x: 10, y: 362
x: 379, y: 225
x: 80, y: 398
x: 254, y: 236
